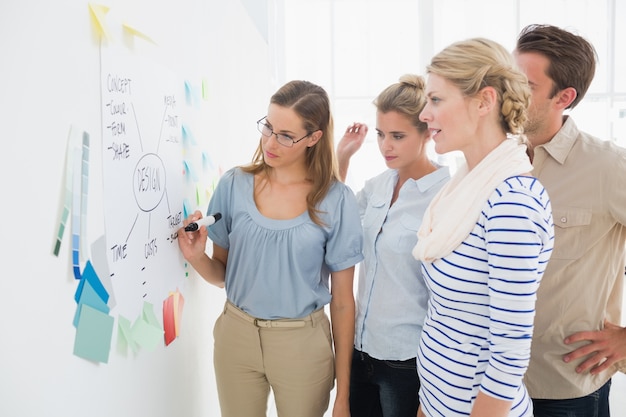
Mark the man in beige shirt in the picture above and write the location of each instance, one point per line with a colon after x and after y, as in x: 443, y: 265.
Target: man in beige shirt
x: 578, y: 343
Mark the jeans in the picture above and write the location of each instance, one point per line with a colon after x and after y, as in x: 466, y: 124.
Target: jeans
x: 595, y: 404
x: 383, y: 388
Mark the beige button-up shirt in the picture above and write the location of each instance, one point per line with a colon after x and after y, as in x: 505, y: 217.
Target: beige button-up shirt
x: 583, y: 283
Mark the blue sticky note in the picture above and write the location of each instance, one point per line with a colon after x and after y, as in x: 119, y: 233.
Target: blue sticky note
x: 207, y: 163
x: 89, y: 296
x: 186, y: 208
x: 192, y: 95
x: 191, y: 173
x: 188, y: 92
x: 188, y: 135
x: 89, y: 274
x: 93, y: 335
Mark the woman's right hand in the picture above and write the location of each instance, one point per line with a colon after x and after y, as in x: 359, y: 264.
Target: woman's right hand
x: 348, y: 145
x: 351, y: 140
x: 192, y: 244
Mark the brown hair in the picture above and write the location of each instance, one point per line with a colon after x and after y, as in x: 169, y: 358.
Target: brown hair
x: 572, y: 58
x: 311, y: 103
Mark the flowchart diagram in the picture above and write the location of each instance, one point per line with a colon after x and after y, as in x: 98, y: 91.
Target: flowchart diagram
x: 142, y: 177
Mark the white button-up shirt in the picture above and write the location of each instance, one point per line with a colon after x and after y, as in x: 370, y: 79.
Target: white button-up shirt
x: 392, y: 297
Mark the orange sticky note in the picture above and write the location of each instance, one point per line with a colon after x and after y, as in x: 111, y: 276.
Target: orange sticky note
x: 179, y: 302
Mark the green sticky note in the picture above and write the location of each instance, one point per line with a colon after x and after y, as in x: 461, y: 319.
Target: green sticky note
x: 93, y: 334
x: 148, y: 315
x: 125, y: 336
x: 146, y: 335
x: 205, y: 89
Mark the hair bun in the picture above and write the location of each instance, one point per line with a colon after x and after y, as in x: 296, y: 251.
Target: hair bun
x: 413, y: 80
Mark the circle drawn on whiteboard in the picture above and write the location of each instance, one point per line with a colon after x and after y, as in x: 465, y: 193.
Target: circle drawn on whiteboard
x: 149, y: 182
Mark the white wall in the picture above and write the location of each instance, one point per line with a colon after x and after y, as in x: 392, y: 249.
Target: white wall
x: 49, y: 80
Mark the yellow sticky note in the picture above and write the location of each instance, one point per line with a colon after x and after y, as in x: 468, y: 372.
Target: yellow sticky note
x: 98, y: 13
x: 205, y: 89
x: 135, y: 32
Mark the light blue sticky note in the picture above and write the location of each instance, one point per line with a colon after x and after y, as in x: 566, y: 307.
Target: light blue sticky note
x: 191, y: 173
x: 192, y: 94
x: 89, y: 296
x: 93, y: 335
x: 188, y: 92
x: 186, y: 208
x: 188, y: 137
x: 207, y: 163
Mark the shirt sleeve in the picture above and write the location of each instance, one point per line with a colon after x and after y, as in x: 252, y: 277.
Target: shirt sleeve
x: 615, y: 173
x: 221, y: 202
x: 519, y: 233
x: 361, y: 198
x: 344, y: 247
x: 616, y: 192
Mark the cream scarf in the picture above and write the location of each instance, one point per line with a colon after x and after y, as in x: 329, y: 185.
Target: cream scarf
x: 453, y: 212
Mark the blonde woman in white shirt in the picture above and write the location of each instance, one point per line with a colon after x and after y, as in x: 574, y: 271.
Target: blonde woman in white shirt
x: 392, y: 296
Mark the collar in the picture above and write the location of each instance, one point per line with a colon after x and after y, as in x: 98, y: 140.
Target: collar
x: 423, y: 184
x: 561, y: 144
x: 428, y: 181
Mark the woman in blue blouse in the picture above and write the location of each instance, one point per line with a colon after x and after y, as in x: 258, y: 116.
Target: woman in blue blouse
x: 485, y: 239
x: 287, y: 224
x: 392, y: 296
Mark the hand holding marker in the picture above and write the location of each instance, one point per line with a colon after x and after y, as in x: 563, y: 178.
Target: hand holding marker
x: 205, y: 221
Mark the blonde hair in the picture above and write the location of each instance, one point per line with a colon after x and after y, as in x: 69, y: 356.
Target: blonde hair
x: 477, y: 63
x: 406, y: 97
x: 311, y: 103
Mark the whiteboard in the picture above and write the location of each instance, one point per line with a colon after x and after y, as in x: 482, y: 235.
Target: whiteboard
x: 142, y: 166
x: 52, y: 82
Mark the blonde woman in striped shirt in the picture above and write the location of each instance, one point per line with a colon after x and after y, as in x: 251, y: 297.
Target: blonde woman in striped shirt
x: 485, y: 239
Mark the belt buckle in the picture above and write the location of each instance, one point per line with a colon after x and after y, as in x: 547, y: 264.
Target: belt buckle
x: 257, y: 323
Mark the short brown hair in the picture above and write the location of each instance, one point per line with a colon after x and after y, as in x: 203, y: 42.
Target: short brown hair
x: 572, y: 58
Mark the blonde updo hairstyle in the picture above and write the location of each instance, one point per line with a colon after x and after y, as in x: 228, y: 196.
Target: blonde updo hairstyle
x: 406, y: 97
x: 477, y: 63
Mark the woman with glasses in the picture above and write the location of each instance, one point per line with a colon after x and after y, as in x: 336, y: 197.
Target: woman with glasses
x: 286, y: 246
x: 392, y: 296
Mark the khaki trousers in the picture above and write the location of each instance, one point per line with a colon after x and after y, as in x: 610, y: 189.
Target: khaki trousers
x: 292, y: 357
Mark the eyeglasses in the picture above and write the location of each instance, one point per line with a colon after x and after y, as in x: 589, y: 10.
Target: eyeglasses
x: 283, y: 139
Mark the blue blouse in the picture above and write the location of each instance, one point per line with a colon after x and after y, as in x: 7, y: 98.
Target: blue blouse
x: 280, y: 268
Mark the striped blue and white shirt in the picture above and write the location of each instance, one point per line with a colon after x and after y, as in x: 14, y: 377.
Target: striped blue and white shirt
x: 479, y: 324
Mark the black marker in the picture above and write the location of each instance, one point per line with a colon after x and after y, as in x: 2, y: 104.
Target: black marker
x: 205, y: 221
